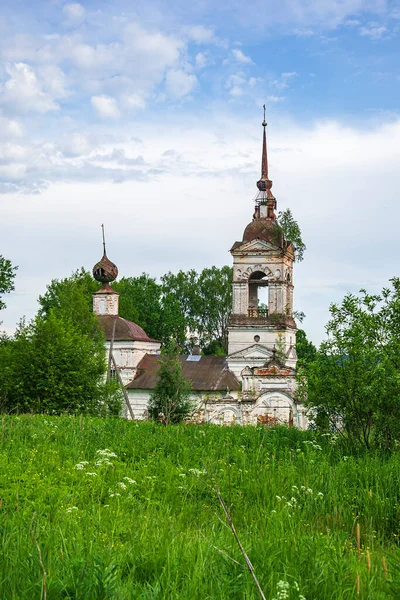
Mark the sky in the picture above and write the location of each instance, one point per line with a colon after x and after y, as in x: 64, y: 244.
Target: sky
x: 146, y: 116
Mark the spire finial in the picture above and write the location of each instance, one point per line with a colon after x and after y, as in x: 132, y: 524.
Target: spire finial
x: 104, y: 239
x: 264, y: 161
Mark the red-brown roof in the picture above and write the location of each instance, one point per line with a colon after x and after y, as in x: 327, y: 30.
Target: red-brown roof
x: 209, y: 373
x: 106, y: 289
x: 124, y: 330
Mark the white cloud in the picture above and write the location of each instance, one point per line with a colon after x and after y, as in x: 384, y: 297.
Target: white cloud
x: 74, y: 12
x: 201, y: 60
x: 179, y: 83
x: 240, y: 57
x: 374, y: 31
x: 10, y: 128
x: 201, y: 35
x: 284, y: 80
x: 23, y: 92
x: 105, y: 107
x: 275, y: 99
x: 133, y: 102
x: 236, y: 91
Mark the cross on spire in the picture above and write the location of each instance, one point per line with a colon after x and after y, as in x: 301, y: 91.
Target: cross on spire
x: 104, y: 239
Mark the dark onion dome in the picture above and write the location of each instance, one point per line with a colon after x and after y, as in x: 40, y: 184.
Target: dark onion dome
x: 105, y: 271
x: 266, y: 230
x: 265, y: 184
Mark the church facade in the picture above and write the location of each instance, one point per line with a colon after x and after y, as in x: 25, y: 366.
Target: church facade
x: 256, y: 381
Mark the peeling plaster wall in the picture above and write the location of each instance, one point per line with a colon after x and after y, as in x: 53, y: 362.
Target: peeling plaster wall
x: 105, y: 304
x: 217, y: 408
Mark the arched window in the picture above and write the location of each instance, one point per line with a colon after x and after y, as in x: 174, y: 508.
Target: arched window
x: 258, y: 295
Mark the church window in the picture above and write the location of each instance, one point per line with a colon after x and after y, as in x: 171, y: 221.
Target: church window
x: 102, y: 306
x: 256, y: 338
x: 258, y: 294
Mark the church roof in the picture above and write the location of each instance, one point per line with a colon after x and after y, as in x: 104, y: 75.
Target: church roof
x: 206, y: 373
x: 124, y: 330
x: 264, y: 229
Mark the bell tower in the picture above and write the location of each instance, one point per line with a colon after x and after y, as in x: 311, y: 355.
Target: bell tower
x: 261, y: 323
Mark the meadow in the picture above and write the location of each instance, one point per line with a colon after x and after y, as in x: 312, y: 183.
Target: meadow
x: 106, y: 508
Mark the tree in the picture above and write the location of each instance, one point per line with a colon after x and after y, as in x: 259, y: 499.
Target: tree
x: 143, y: 301
x: 7, y: 276
x: 170, y: 401
x: 71, y: 299
x: 306, y: 351
x: 354, y: 382
x: 206, y: 301
x: 292, y: 233
x: 50, y: 366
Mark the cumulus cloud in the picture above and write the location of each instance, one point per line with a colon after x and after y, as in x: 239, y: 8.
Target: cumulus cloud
x: 201, y: 60
x: 10, y: 128
x: 133, y: 102
x: 241, y: 57
x: 284, y: 80
x: 74, y: 13
x: 23, y: 92
x: 105, y: 107
x: 201, y: 35
x: 179, y: 83
x: 374, y: 31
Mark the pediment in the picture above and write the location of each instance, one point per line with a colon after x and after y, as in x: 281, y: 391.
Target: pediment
x: 291, y: 353
x: 256, y: 351
x: 253, y: 246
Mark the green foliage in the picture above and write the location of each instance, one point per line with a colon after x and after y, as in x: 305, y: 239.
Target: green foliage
x: 206, y: 302
x: 171, y: 395
x: 292, y: 233
x: 71, y: 299
x: 354, y: 383
x: 306, y: 351
x: 138, y: 520
x: 51, y: 366
x: 188, y: 301
x: 143, y: 302
x: 7, y: 276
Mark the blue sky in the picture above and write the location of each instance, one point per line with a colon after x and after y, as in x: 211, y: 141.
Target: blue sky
x: 147, y: 116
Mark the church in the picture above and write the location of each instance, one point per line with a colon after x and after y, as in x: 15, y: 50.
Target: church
x: 256, y: 381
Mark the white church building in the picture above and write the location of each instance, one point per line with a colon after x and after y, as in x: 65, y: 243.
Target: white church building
x: 255, y: 382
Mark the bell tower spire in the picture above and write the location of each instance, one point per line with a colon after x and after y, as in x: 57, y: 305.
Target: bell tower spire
x: 265, y: 200
x: 264, y: 160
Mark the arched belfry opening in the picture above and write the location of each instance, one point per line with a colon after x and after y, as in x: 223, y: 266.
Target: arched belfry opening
x: 258, y: 294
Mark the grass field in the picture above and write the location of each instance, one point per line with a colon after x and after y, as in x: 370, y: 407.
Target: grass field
x: 94, y: 509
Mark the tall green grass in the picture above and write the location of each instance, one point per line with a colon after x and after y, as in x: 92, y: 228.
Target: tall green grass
x: 145, y: 523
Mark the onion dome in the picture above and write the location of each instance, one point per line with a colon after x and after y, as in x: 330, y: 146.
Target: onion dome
x: 264, y: 229
x: 105, y: 271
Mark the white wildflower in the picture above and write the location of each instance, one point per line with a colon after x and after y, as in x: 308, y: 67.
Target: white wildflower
x: 129, y: 480
x: 71, y: 508
x: 197, y: 472
x: 122, y: 485
x: 91, y: 474
x: 107, y: 453
x: 81, y: 465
